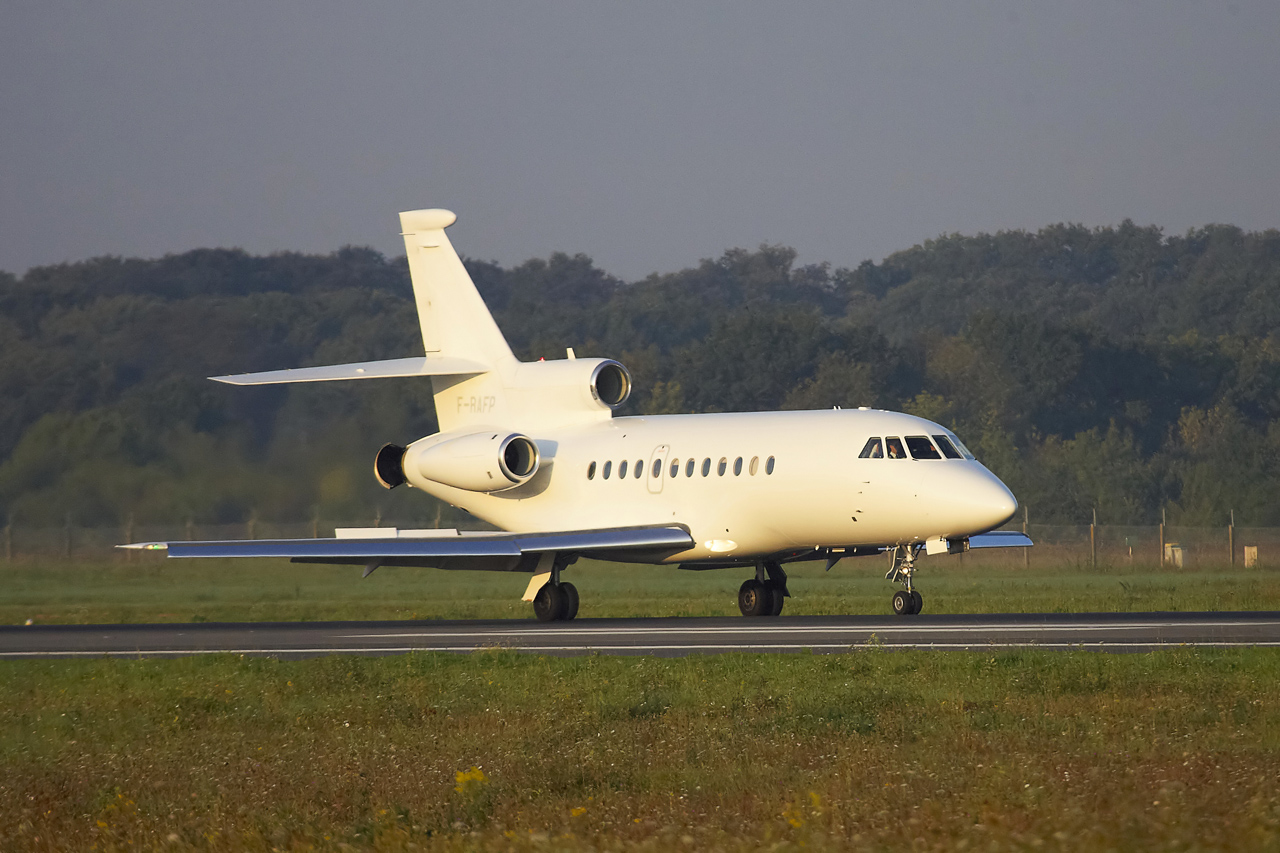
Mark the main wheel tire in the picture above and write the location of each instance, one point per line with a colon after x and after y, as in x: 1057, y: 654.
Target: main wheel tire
x: 754, y: 599
x: 549, y: 603
x: 777, y: 598
x: 917, y: 602
x: 570, y: 601
x: 902, y: 603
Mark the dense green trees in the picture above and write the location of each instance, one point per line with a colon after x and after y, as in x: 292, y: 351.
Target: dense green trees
x: 1113, y: 368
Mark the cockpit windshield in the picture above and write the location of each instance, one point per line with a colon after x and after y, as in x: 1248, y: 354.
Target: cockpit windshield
x: 948, y: 449
x: 964, y: 451
x: 921, y: 448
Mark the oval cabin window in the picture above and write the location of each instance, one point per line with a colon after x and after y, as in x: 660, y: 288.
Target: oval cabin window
x: 622, y: 470
x: 768, y: 467
x: 720, y: 469
x: 755, y: 465
x: 639, y: 468
x: 706, y: 467
x: 675, y: 467
x: 608, y: 466
x: 737, y: 466
x: 688, y: 468
x: 591, y: 471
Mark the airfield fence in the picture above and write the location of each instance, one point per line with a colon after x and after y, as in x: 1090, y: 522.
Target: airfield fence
x: 1182, y: 548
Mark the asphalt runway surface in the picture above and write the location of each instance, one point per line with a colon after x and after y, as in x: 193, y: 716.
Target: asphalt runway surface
x: 1110, y: 632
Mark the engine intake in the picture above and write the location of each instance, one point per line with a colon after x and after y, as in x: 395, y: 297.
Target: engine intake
x: 611, y: 384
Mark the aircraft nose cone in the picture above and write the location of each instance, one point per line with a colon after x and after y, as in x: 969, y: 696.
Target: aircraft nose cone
x: 994, y: 502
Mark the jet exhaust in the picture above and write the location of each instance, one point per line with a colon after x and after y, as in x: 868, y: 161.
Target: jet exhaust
x: 388, y: 466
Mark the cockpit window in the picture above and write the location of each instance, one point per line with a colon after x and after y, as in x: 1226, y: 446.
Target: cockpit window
x: 964, y: 451
x: 921, y: 448
x: 872, y: 450
x: 894, y: 449
x: 947, y: 448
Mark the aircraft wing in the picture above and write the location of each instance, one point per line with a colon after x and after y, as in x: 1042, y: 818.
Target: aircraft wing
x: 1000, y: 539
x: 388, y: 369
x: 446, y: 549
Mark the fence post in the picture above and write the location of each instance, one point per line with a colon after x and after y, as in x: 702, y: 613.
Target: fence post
x: 1162, y: 538
x: 1026, y: 552
x: 1231, y: 538
x: 1093, y: 541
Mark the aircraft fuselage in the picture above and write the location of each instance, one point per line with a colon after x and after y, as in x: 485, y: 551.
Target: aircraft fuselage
x: 745, y: 484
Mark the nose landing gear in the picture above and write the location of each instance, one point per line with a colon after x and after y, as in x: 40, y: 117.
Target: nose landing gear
x: 906, y: 602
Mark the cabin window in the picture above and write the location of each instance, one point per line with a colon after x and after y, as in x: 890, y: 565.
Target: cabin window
x: 639, y: 468
x: 872, y: 450
x: 948, y: 449
x: 688, y: 468
x: 591, y: 471
x: 894, y: 449
x: 768, y: 465
x: 737, y: 466
x: 675, y: 467
x: 755, y: 465
x: 607, y: 467
x: 622, y: 470
x: 724, y: 463
x: 921, y: 448
x: 706, y: 467
x: 657, y: 468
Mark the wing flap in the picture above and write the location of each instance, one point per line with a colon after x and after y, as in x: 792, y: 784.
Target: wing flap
x: 389, y: 369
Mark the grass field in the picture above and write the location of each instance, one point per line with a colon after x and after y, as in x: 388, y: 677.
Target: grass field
x: 156, y: 590
x: 1177, y: 750
x: 919, y: 750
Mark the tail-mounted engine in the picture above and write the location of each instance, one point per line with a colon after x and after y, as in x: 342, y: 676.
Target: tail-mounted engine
x: 480, y: 462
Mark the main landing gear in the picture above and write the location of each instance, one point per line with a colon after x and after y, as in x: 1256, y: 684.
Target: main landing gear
x: 906, y: 602
x: 555, y: 601
x: 764, y: 594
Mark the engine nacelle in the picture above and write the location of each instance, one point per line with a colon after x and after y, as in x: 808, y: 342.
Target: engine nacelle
x: 480, y: 462
x: 566, y: 386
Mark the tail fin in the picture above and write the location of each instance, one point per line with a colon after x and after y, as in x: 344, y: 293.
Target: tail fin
x: 455, y: 321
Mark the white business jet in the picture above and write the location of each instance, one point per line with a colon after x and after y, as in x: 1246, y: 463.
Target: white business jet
x: 533, y: 448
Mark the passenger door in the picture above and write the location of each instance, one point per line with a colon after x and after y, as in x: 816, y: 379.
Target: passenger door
x: 656, y: 471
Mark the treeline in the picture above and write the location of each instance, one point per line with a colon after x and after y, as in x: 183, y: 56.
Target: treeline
x: 1114, y: 369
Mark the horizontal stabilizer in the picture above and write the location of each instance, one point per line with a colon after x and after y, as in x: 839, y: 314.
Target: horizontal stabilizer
x: 389, y: 369
x: 482, y: 547
x: 1000, y: 539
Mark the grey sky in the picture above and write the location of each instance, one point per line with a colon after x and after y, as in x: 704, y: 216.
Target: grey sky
x: 647, y: 135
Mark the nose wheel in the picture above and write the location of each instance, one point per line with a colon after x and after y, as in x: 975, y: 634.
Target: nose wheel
x: 908, y: 601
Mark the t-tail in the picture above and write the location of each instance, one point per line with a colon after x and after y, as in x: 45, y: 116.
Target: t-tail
x: 476, y: 380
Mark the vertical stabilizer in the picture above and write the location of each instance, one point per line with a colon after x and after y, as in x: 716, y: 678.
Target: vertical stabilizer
x: 455, y: 321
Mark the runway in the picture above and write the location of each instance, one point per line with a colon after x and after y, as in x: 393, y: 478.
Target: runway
x: 1109, y: 632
